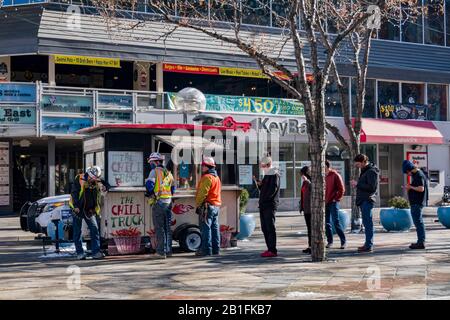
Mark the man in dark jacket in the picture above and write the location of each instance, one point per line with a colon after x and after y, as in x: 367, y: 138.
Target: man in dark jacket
x: 418, y: 196
x: 85, y: 204
x: 268, y: 203
x: 334, y: 191
x: 366, y: 188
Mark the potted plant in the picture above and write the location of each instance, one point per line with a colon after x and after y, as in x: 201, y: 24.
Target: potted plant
x: 398, y: 216
x: 344, y: 219
x: 247, y: 221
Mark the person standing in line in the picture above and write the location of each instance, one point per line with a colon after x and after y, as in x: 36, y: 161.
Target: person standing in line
x: 268, y: 204
x: 417, y: 195
x: 334, y: 191
x: 305, y: 202
x: 366, y: 188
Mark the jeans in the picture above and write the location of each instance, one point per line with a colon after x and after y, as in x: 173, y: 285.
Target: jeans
x: 162, y: 218
x: 332, y: 211
x: 416, y: 213
x: 267, y: 216
x: 93, y: 229
x: 308, y: 226
x: 366, y: 212
x: 210, y: 232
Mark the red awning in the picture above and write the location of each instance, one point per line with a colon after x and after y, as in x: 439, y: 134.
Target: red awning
x: 400, y: 132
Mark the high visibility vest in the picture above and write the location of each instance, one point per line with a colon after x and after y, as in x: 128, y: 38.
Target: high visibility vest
x: 163, y: 183
x: 83, y: 185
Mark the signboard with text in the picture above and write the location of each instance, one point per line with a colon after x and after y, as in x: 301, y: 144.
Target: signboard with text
x: 87, y: 61
x: 125, y: 168
x: 62, y: 125
x: 115, y: 101
x: 17, y: 93
x: 403, y: 111
x: 17, y: 115
x: 64, y: 103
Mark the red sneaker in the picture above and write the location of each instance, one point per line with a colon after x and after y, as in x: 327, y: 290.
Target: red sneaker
x: 268, y: 254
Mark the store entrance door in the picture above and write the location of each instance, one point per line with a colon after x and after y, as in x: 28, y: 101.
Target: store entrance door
x: 391, y: 176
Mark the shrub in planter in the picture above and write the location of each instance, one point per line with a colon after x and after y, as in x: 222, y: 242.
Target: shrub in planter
x: 247, y: 222
x: 398, y: 217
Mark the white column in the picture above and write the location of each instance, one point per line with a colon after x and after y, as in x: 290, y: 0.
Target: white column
x: 51, y: 71
x: 51, y: 166
x: 159, y: 83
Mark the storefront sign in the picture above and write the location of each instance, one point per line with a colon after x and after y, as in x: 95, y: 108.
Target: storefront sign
x: 419, y: 159
x: 403, y: 111
x: 17, y: 115
x: 239, y: 72
x: 60, y: 103
x: 4, y: 174
x: 285, y: 127
x: 125, y: 168
x: 120, y: 101
x: 248, y: 104
x: 126, y: 210
x: 94, y: 144
x: 245, y: 175
x: 115, y: 115
x: 17, y: 93
x: 190, y: 69
x: 87, y: 61
x: 62, y: 125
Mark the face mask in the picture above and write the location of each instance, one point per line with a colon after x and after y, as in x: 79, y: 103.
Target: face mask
x: 152, y: 166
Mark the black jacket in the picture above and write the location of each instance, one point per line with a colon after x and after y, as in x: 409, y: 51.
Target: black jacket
x: 269, y: 195
x: 367, y: 184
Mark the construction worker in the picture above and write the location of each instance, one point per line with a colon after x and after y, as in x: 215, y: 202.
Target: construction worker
x: 85, y: 204
x: 208, y: 200
x: 160, y: 189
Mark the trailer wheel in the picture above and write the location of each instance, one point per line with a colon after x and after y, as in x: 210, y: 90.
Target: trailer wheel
x: 190, y: 239
x: 24, y: 217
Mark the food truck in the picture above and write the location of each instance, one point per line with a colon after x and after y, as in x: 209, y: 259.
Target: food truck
x: 121, y: 151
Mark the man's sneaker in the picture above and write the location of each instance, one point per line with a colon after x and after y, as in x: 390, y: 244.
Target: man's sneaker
x: 343, y: 246
x: 158, y: 256
x: 268, y: 254
x: 417, y: 246
x: 307, y: 251
x: 81, y: 256
x: 329, y: 245
x: 99, y: 255
x: 365, y: 249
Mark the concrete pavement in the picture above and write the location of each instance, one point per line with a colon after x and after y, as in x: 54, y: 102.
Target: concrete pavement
x: 391, y: 272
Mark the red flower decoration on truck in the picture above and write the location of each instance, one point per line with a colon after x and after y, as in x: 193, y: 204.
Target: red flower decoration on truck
x: 181, y: 208
x: 132, y: 232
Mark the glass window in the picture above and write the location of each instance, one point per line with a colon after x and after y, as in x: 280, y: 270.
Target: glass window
x: 437, y: 102
x: 221, y: 10
x: 388, y: 92
x: 193, y: 9
x: 301, y: 160
x: 370, y: 150
x: 411, y: 25
x: 286, y: 167
x: 256, y: 12
x: 332, y: 99
x: 413, y: 93
x: 279, y: 13
x: 389, y: 30
x: 369, y: 105
x: 434, y: 22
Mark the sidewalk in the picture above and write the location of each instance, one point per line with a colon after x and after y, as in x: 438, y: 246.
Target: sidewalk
x: 391, y: 272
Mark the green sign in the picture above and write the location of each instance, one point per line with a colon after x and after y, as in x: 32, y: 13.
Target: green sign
x: 249, y: 104
x: 17, y: 115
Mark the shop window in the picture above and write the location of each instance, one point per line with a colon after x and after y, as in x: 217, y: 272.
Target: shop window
x: 389, y: 30
x: 437, y: 102
x: 388, y: 92
x: 412, y: 93
x: 29, y: 68
x: 256, y: 12
x: 411, y: 25
x: 369, y: 103
x: 333, y: 106
x: 434, y: 22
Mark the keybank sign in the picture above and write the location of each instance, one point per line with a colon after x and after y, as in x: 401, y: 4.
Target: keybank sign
x: 283, y: 127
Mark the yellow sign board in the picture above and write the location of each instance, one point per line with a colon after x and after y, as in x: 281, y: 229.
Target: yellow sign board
x: 88, y: 61
x: 239, y: 72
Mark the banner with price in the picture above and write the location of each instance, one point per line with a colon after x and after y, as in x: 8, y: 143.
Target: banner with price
x: 248, y: 104
x: 403, y: 111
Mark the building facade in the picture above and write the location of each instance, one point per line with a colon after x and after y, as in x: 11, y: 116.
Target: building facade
x: 63, y: 69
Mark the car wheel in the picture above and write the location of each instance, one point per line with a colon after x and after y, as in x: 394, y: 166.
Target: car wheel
x: 33, y: 212
x: 190, y: 239
x: 23, y: 216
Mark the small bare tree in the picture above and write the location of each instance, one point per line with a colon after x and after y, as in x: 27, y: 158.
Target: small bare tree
x: 303, y: 35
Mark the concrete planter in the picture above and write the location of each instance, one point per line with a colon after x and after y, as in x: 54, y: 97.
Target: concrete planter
x: 247, y: 224
x: 444, y: 216
x: 394, y: 219
x: 344, y: 219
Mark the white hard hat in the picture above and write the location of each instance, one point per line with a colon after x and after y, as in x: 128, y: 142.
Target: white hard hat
x: 156, y: 156
x: 209, y: 161
x: 94, y: 172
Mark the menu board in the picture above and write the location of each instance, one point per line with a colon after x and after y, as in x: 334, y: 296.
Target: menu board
x: 125, y: 168
x: 245, y: 175
x: 4, y: 174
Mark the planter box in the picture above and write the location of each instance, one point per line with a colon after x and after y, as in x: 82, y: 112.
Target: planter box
x: 396, y: 219
x: 344, y: 219
x: 247, y: 224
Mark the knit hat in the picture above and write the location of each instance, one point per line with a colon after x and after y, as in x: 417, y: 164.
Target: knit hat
x: 407, y: 166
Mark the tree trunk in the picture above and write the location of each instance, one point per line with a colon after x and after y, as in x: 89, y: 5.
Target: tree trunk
x: 317, y: 154
x: 356, y: 223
